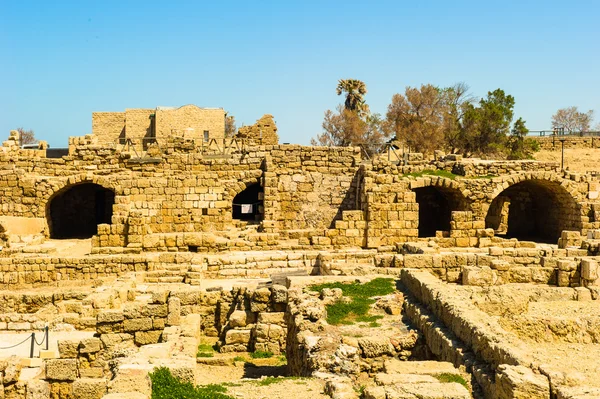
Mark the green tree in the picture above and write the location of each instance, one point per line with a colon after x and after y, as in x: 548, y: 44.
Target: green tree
x: 485, y: 128
x: 352, y: 124
x: 355, y: 92
x: 457, y: 100
x: 346, y: 128
x: 519, y: 146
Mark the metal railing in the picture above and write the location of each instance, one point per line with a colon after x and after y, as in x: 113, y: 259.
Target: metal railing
x: 563, y: 132
x: 33, y: 342
x: 148, y: 147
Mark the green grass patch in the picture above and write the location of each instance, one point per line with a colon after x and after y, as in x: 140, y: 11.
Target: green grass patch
x: 240, y: 359
x: 274, y: 380
x: 431, y: 172
x: 205, y: 350
x: 165, y: 386
x: 360, y: 295
x: 449, y: 377
x: 261, y: 354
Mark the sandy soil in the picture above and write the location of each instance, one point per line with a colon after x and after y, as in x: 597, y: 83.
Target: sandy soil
x: 242, y: 381
x: 576, y: 160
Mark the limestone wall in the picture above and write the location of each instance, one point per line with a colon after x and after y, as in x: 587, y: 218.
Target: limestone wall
x: 182, y: 119
x: 108, y: 126
x: 553, y: 143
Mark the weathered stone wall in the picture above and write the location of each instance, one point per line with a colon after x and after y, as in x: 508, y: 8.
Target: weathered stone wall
x: 264, y: 131
x: 553, y: 143
x: 190, y: 121
x: 108, y: 126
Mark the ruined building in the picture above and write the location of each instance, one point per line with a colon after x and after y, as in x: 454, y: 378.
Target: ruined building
x: 160, y: 198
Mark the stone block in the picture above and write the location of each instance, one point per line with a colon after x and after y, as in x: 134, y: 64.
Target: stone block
x: 130, y: 378
x: 279, y: 293
x: 566, y: 265
x: 589, y: 269
x: 239, y: 318
x: 89, y: 388
x: 372, y: 347
x: 90, y: 345
x: 479, y: 276
x: 147, y: 337
x: 233, y: 337
x: 271, y: 317
x: 174, y: 311
x: 110, y: 316
x: 521, y: 382
x: 262, y: 295
x: 141, y: 324
x: 37, y: 389
x: 61, y: 369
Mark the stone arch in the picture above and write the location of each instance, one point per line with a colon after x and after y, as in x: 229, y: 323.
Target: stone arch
x: 76, y: 210
x: 535, y: 209
x: 248, y: 204
x: 437, y: 200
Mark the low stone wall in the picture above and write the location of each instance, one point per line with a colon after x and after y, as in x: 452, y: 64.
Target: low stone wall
x: 253, y: 320
x: 553, y: 143
x: 457, y: 331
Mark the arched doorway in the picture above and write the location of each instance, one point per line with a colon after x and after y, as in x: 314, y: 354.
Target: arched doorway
x: 76, y: 211
x: 533, y: 210
x: 248, y: 204
x: 435, y: 207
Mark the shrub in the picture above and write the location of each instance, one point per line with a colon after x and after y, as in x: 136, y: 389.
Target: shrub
x: 165, y: 386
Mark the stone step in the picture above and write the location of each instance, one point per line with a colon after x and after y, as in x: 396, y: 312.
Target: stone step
x: 194, y: 282
x: 194, y: 275
x: 49, y: 354
x: 164, y: 273
x: 170, y: 279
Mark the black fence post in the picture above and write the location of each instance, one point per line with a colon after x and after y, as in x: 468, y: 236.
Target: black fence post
x: 32, y: 345
x: 47, y: 336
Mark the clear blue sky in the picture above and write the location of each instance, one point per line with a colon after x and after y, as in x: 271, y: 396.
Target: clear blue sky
x: 62, y: 60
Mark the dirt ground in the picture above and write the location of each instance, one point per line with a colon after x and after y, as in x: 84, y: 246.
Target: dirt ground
x: 576, y: 160
x: 243, y: 380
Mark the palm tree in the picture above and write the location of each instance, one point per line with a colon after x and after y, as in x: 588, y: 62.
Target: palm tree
x: 355, y: 91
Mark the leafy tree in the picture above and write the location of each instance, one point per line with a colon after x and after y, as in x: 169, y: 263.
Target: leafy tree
x: 485, y: 128
x: 571, y: 120
x: 417, y: 118
x: 352, y: 124
x: 355, y: 91
x: 345, y: 128
x: 519, y: 146
x: 230, y: 127
x: 27, y: 136
x: 457, y: 100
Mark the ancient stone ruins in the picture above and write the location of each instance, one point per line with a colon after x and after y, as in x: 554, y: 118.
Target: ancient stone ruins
x: 156, y: 236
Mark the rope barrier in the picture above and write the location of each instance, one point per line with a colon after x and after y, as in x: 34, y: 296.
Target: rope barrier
x: 33, y: 342
x: 40, y: 343
x: 14, y: 346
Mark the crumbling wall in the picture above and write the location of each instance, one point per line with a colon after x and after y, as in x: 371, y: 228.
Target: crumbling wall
x: 263, y: 132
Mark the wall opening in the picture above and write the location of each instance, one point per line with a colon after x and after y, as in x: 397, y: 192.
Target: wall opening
x: 76, y: 211
x: 248, y: 205
x: 533, y: 210
x: 435, y: 207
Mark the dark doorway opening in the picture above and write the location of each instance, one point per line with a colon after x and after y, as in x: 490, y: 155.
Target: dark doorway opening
x: 248, y: 205
x: 436, y: 205
x: 534, y: 210
x: 76, y: 211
